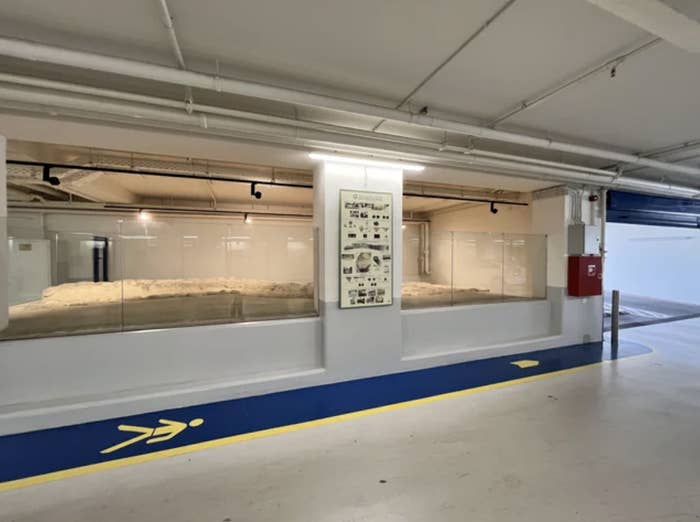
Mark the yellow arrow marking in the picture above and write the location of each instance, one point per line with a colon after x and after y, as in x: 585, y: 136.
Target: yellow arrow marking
x: 167, y: 431
x: 525, y: 363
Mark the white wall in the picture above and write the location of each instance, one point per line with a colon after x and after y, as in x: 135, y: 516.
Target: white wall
x: 478, y: 218
x: 363, y: 341
x: 3, y: 232
x: 58, y: 381
x: 660, y: 262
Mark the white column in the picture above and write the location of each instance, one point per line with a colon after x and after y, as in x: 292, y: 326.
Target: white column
x: 3, y: 234
x: 359, y: 341
x: 577, y: 319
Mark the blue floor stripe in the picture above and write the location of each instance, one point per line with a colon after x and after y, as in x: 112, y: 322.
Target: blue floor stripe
x: 39, y: 452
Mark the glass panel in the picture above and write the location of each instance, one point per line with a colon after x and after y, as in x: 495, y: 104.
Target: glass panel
x: 183, y: 272
x: 478, y: 268
x: 471, y: 267
x: 274, y: 265
x: 432, y: 286
x: 73, y: 273
x: 412, y: 252
x: 61, y: 268
x: 525, y: 264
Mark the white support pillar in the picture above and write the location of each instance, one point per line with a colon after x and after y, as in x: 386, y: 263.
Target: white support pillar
x: 3, y: 235
x: 360, y: 341
x: 578, y: 319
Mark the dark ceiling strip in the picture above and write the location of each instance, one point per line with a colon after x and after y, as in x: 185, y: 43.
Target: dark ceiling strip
x: 143, y: 172
x: 466, y: 198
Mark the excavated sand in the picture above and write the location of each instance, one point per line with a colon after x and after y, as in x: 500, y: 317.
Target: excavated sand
x: 88, y: 293
x: 419, y: 289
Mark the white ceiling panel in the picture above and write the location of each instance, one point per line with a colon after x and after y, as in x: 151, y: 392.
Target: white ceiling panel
x: 531, y: 47
x: 379, y: 48
x: 128, y: 28
x: 658, y: 18
x: 652, y: 102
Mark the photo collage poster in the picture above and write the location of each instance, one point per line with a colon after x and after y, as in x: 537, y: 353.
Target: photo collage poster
x: 366, y: 237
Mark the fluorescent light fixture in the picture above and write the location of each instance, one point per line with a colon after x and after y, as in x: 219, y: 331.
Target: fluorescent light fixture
x: 366, y: 162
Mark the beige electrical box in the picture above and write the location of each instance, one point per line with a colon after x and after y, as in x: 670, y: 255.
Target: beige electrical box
x: 584, y: 240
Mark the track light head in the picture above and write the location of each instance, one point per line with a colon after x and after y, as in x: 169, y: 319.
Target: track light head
x: 255, y: 193
x: 48, y: 178
x: 493, y: 208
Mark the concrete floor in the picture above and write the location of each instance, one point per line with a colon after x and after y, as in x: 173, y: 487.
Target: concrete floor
x: 618, y: 442
x: 637, y: 310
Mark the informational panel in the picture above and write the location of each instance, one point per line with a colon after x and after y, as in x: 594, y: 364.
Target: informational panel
x: 366, y: 237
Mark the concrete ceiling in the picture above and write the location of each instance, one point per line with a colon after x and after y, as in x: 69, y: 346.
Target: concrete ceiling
x: 380, y: 51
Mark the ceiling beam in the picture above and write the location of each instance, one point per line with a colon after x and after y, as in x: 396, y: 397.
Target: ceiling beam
x: 609, y: 64
x: 658, y: 18
x: 451, y: 57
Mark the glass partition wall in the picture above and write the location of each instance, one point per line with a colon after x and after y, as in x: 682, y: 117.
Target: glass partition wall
x: 458, y: 268
x: 78, y: 272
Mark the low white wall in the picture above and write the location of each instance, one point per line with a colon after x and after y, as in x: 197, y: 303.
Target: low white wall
x: 439, y: 331
x: 441, y: 336
x: 54, y: 380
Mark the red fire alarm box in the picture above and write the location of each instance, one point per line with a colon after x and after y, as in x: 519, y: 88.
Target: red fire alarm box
x: 585, y: 276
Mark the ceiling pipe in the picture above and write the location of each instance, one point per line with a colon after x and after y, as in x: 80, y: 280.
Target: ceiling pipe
x: 168, y: 21
x: 662, y: 151
x: 525, y: 159
x: 252, y: 182
x: 141, y: 113
x: 196, y: 107
x: 75, y: 208
x: 81, y: 106
x: 70, y: 58
x: 175, y: 44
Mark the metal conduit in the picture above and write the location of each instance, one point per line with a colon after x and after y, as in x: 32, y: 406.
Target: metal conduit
x: 70, y: 58
x: 27, y: 99
x: 144, y: 172
x: 196, y: 107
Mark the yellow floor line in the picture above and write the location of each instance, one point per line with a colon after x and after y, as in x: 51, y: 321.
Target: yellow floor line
x: 215, y: 443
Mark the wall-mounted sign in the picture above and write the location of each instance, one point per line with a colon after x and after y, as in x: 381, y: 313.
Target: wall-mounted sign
x: 366, y: 237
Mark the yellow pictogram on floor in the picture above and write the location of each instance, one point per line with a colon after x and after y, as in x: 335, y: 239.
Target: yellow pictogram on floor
x: 525, y: 363
x: 167, y: 431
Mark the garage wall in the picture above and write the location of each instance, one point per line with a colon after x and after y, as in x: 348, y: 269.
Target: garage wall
x: 651, y: 261
x: 58, y: 381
